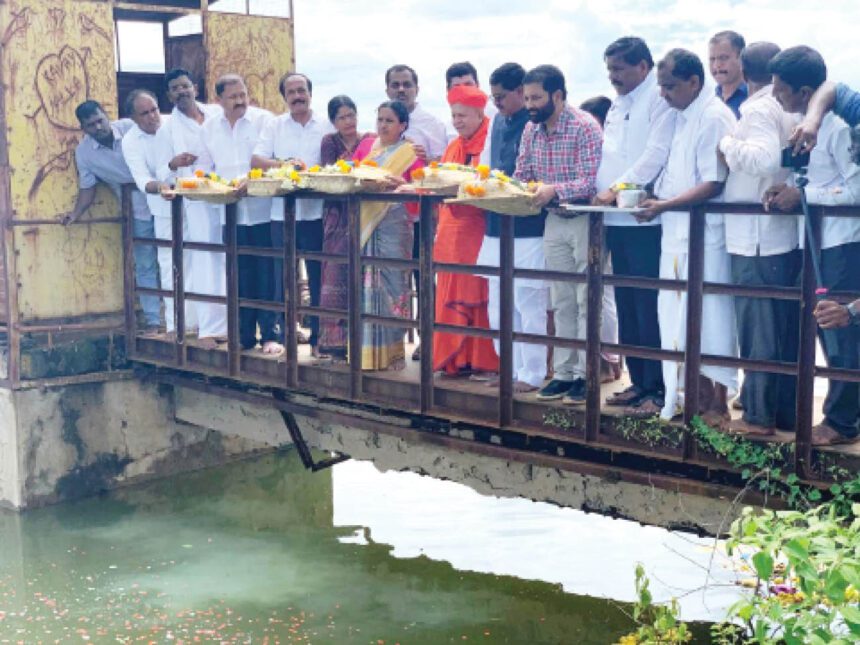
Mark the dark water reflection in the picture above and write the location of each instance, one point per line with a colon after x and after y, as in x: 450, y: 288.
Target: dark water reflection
x: 263, y: 551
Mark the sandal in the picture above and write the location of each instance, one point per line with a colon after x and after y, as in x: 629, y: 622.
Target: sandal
x: 646, y: 409
x: 629, y: 397
x: 824, y: 435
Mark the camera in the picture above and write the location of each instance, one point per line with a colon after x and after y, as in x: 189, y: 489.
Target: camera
x: 793, y: 161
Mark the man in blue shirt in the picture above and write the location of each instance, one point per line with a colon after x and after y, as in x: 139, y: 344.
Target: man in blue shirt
x: 530, y: 296
x: 724, y: 54
x: 838, y: 97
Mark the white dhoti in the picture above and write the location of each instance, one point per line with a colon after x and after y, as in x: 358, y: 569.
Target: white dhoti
x: 208, y: 275
x: 164, y: 231
x: 530, y: 300
x: 718, y: 333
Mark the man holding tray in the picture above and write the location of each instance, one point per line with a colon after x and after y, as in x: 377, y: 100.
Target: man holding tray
x: 176, y: 138
x: 561, y: 149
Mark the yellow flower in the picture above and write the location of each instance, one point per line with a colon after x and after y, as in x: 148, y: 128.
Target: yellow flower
x: 314, y: 169
x: 294, y: 176
x: 483, y: 171
x: 255, y: 173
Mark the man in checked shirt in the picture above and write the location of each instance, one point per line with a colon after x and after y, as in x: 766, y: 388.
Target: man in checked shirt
x: 561, y: 148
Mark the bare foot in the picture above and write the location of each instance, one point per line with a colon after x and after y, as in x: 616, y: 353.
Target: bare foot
x: 522, y: 386
x: 397, y: 364
x: 207, y: 342
x: 272, y: 347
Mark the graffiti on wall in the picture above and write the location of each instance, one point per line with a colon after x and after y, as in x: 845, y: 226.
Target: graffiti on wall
x: 258, y: 48
x: 56, y: 54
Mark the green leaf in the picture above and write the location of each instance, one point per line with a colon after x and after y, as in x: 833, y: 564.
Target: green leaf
x: 795, y: 550
x: 814, y: 495
x: 851, y: 613
x: 834, y: 586
x: 763, y: 563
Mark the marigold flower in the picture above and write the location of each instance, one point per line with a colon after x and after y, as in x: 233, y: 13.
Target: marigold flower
x: 417, y: 174
x: 314, y: 169
x: 255, y: 173
x: 199, y: 173
x: 483, y: 171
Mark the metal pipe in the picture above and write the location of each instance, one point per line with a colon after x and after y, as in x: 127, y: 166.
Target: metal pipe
x: 354, y: 299
x: 693, y: 344
x: 176, y: 217
x: 593, y: 314
x: 506, y: 322
x: 426, y: 300
x: 234, y: 348
x: 291, y: 297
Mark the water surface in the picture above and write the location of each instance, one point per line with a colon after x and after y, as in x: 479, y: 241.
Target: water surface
x: 263, y: 551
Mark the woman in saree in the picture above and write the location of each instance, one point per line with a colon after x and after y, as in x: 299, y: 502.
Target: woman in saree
x: 386, y: 232
x: 462, y: 299
x: 340, y: 144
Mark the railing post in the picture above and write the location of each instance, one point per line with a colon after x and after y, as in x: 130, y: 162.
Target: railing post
x: 292, y: 293
x: 354, y: 296
x: 426, y: 300
x: 234, y: 351
x: 176, y: 221
x: 506, y: 321
x: 594, y: 300
x: 806, y: 356
x: 128, y: 272
x: 693, y: 345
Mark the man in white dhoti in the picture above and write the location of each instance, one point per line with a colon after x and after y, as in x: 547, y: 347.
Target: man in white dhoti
x: 529, y: 295
x: 694, y: 173
x: 205, y: 271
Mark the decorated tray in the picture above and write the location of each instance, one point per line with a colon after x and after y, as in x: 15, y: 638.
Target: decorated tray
x: 497, y: 192
x: 208, y: 187
x: 275, y: 181
x: 345, y: 177
x: 442, y: 178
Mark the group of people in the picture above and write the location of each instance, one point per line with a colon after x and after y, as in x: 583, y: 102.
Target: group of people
x: 669, y: 130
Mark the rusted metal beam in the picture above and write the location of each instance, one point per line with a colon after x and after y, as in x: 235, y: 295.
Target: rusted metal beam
x: 506, y: 322
x: 426, y: 300
x: 593, y: 313
x: 806, y: 359
x: 693, y: 344
x: 128, y: 278
x: 232, y: 269
x: 354, y: 298
x: 291, y: 295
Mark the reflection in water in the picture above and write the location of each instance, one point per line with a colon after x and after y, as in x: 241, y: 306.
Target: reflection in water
x: 263, y: 551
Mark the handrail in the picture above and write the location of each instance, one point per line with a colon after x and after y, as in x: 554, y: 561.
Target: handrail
x: 593, y: 277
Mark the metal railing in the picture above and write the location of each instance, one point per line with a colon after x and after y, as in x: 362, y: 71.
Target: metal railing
x: 505, y: 415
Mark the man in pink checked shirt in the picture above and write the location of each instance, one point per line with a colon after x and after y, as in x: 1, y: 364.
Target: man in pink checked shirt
x: 561, y: 148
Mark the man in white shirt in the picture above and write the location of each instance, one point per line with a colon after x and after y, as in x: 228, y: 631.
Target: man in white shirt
x: 141, y: 153
x: 636, y: 138
x: 833, y: 180
x: 296, y: 135
x: 693, y: 174
x: 98, y: 158
x: 763, y: 249
x: 176, y: 139
x: 425, y: 131
x: 225, y: 146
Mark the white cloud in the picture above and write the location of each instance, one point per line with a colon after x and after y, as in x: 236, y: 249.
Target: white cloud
x: 347, y: 46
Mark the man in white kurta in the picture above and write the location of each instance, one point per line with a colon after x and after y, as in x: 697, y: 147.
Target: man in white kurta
x: 140, y: 150
x: 636, y: 138
x: 763, y: 249
x: 693, y: 174
x: 225, y: 147
x: 202, y: 221
x: 833, y: 180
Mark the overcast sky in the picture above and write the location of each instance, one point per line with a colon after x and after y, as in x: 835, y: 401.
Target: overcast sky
x: 345, y: 46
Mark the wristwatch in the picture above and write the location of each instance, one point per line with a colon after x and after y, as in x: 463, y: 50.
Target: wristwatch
x: 853, y: 313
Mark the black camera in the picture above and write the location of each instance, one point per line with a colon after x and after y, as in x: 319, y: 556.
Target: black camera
x: 793, y: 161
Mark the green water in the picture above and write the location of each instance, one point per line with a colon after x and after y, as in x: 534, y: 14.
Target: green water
x: 263, y: 551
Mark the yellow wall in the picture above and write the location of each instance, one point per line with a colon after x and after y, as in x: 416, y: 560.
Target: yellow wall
x: 55, y: 54
x: 260, y: 49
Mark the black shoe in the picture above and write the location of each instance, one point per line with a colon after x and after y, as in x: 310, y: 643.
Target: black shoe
x: 553, y: 390
x: 576, y: 394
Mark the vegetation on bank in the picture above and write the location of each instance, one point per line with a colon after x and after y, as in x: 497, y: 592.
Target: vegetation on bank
x: 799, y: 568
